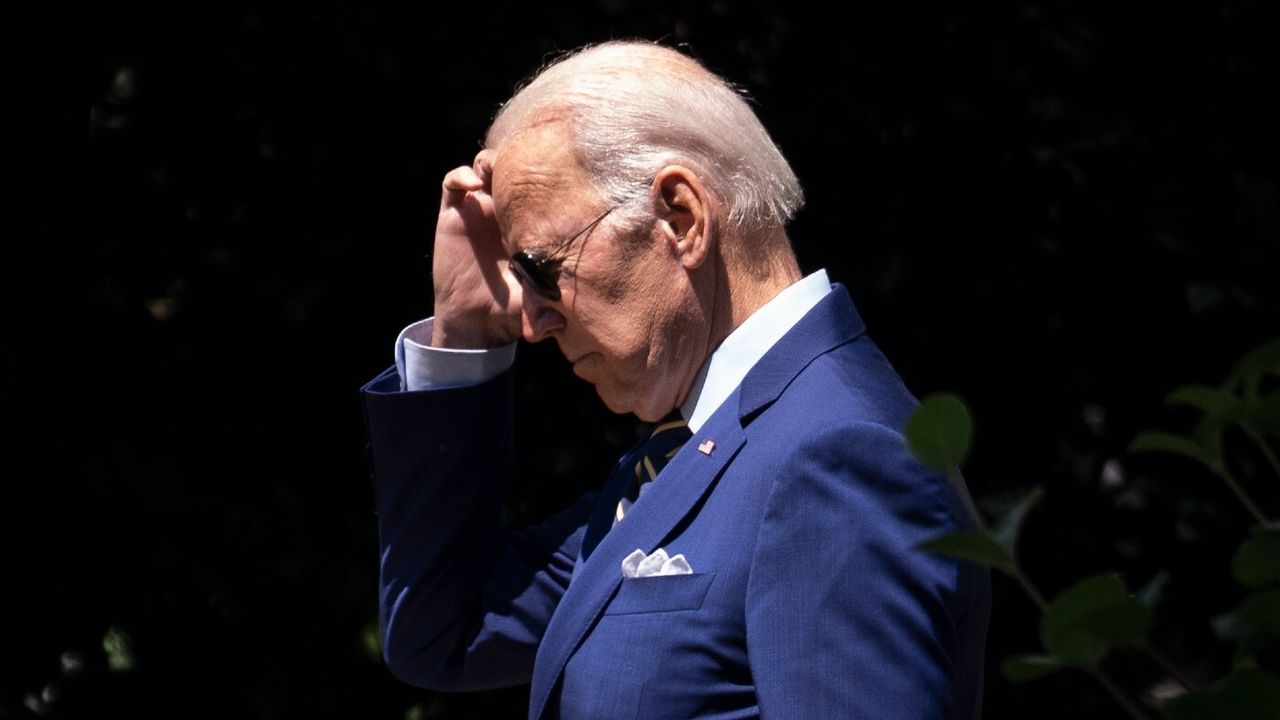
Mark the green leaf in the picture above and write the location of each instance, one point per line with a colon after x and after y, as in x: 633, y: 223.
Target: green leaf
x: 1262, y: 414
x: 1220, y: 409
x: 1208, y: 434
x: 1008, y: 527
x: 371, y: 641
x: 119, y: 649
x: 1256, y: 622
x: 1090, y: 618
x: 1211, y: 401
x: 1257, y: 364
x: 1257, y: 562
x: 1176, y: 444
x: 1021, y: 668
x: 975, y: 547
x: 939, y: 432
x: 1246, y: 694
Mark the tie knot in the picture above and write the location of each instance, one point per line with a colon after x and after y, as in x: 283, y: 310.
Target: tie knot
x: 665, y: 440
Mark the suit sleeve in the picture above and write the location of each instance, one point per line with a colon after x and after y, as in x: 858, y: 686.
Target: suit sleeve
x: 463, y: 602
x: 844, y: 617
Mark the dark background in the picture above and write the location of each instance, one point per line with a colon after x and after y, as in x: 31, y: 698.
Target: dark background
x: 1060, y: 211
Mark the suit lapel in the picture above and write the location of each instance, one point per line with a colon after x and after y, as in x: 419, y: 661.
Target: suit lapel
x: 614, y: 489
x: 676, y: 492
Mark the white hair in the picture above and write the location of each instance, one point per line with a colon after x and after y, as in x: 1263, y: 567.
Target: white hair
x: 633, y: 108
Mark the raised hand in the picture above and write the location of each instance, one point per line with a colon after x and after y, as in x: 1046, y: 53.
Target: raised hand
x: 477, y: 302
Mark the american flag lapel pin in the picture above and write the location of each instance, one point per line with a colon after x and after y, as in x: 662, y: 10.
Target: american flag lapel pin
x: 706, y: 447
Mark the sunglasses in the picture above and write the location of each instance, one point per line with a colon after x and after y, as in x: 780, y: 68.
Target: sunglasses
x: 538, y: 270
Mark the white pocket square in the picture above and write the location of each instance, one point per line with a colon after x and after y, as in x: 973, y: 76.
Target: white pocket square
x: 638, y: 565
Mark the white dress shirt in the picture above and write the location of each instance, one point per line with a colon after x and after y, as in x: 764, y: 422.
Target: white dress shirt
x: 423, y: 367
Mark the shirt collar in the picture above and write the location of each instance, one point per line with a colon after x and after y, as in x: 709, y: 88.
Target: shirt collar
x: 743, y: 348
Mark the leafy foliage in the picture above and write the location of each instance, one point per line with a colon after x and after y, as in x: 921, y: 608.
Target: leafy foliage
x: 975, y: 547
x: 1090, y: 619
x: 1257, y: 562
x: 1024, y: 668
x: 1255, y: 623
x: 1247, y: 694
x: 119, y: 649
x: 939, y: 432
x: 1169, y: 443
x: 1095, y: 616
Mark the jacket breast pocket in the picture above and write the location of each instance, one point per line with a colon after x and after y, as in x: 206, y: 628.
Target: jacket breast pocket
x: 660, y: 593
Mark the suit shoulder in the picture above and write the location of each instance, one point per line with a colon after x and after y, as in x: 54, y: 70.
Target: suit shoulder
x: 840, y: 424
x: 848, y: 386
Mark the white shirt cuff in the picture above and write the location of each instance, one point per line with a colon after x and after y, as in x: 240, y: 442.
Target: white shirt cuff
x: 423, y: 367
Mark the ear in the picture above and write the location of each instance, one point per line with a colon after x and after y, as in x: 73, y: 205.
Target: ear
x: 482, y: 166
x: 684, y: 209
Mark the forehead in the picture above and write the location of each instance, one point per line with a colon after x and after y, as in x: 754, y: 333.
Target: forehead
x: 538, y: 185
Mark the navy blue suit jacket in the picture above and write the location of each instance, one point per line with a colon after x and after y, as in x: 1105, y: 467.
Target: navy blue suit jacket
x: 807, y: 597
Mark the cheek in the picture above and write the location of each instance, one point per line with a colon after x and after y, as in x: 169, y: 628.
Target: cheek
x: 630, y: 314
x: 621, y: 319
x: 625, y: 339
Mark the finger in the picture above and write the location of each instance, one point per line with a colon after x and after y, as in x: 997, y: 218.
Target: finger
x: 457, y: 183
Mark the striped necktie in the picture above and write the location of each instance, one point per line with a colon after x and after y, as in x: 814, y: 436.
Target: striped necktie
x: 665, y: 440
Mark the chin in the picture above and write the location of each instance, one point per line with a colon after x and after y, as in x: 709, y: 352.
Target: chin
x: 631, y: 399
x: 645, y: 411
x: 620, y: 404
x: 614, y: 405
x: 649, y: 417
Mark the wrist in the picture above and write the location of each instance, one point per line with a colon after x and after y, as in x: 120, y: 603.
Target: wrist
x: 448, y: 332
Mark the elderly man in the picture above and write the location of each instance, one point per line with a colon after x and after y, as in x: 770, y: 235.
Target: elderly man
x: 754, y: 556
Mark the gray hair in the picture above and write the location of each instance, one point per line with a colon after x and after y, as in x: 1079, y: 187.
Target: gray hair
x: 633, y: 108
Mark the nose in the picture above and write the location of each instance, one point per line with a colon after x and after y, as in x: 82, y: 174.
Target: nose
x: 539, y: 317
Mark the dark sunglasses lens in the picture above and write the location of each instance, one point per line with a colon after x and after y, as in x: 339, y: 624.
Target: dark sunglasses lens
x: 532, y: 273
